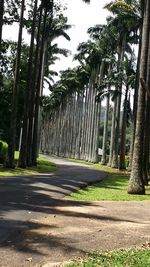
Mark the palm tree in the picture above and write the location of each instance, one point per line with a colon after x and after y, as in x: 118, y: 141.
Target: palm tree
x: 23, y: 150
x: 58, y: 28
x: 136, y: 185
x: 12, y: 139
x: 135, y: 106
x: 126, y: 20
x: 44, y: 56
x: 129, y: 82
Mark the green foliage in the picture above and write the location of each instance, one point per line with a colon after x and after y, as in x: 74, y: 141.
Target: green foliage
x: 3, y: 151
x: 8, y: 62
x: 119, y: 258
x: 113, y: 188
x: 118, y: 7
x: 72, y: 80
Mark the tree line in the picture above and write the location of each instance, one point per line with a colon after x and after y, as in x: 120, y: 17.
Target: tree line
x: 23, y: 70
x: 111, y: 48
x: 108, y: 69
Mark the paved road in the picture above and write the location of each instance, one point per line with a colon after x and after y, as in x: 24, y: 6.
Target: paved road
x: 25, y: 198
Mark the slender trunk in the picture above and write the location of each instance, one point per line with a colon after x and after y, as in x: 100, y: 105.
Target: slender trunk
x: 92, y: 126
x: 88, y: 129
x: 83, y: 145
x: 147, y: 123
x: 98, y: 113
x: 12, y: 138
x: 23, y: 151
x: 121, y: 52
x: 97, y: 116
x: 136, y: 185
x: 37, y: 98
x: 112, y: 134
x: 105, y: 134
x: 33, y: 89
x: 135, y: 107
x: 146, y: 142
x: 83, y: 123
x: 1, y: 20
x: 79, y: 126
x: 122, y: 163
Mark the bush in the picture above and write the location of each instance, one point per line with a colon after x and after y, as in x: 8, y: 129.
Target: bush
x: 3, y: 151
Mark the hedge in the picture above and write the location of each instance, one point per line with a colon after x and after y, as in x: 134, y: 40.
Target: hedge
x: 3, y: 151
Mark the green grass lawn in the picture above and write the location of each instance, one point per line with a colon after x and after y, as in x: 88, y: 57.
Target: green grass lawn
x: 113, y: 187
x: 119, y: 258
x: 43, y: 166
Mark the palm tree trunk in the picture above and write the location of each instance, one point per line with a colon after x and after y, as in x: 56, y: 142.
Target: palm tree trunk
x: 79, y: 126
x: 147, y: 124
x: 122, y: 163
x: 136, y: 185
x: 1, y: 20
x: 105, y: 134
x: 33, y: 89
x: 12, y: 138
x: 135, y: 107
x: 23, y: 150
x: 83, y: 123
x: 112, y: 135
x: 146, y: 143
x: 97, y: 117
x: 37, y: 98
x: 121, y: 52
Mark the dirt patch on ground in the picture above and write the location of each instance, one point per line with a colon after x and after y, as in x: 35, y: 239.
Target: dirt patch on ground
x: 74, y: 228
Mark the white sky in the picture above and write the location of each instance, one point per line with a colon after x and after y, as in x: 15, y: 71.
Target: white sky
x: 82, y: 16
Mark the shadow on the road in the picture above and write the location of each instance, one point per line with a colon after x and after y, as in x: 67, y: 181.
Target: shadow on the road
x: 39, y: 196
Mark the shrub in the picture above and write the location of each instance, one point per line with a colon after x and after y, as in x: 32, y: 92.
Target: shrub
x: 3, y: 151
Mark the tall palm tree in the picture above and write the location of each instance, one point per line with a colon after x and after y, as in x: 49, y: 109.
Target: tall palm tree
x: 12, y: 138
x: 125, y: 20
x: 23, y: 150
x: 129, y: 82
x: 136, y: 185
x: 56, y: 28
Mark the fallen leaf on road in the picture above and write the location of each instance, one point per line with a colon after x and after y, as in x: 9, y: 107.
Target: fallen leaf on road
x: 29, y: 259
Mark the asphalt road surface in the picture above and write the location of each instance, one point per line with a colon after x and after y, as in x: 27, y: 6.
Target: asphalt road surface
x: 24, y: 198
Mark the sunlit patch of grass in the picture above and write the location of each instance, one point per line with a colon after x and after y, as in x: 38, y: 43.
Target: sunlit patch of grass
x: 113, y: 187
x: 43, y: 166
x: 100, y: 167
x: 118, y: 258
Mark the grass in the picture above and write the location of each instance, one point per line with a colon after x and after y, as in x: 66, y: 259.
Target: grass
x: 119, y: 258
x: 113, y: 187
x: 99, y: 166
x: 43, y: 166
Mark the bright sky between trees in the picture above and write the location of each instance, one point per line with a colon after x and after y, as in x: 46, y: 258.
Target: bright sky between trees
x: 82, y: 16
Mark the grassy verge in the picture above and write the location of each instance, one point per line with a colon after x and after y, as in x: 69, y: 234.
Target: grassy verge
x: 119, y: 258
x: 113, y: 187
x: 43, y: 166
x: 99, y: 166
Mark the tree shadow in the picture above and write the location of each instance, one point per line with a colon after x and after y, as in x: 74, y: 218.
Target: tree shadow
x: 23, y: 200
